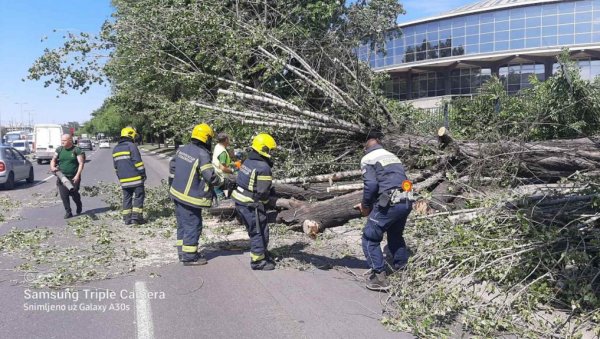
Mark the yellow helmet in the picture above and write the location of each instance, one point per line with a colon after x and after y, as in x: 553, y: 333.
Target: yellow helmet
x: 202, y: 132
x: 264, y: 144
x: 129, y: 132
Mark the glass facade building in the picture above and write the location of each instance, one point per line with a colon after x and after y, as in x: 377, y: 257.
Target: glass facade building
x: 455, y: 52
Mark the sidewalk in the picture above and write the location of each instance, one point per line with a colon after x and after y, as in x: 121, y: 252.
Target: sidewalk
x: 162, y: 152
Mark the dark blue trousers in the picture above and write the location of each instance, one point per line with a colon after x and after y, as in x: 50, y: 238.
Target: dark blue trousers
x: 389, y: 219
x: 258, y: 241
x: 133, y: 202
x: 189, y: 228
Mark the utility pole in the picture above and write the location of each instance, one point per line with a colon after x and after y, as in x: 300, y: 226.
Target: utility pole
x: 21, y: 104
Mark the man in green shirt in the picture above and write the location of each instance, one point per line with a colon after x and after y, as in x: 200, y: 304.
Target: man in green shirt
x: 222, y: 163
x: 69, y: 159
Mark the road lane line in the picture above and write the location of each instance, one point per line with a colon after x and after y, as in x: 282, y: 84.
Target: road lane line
x: 145, y: 328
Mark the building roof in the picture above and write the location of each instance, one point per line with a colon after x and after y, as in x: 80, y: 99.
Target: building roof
x: 480, y: 6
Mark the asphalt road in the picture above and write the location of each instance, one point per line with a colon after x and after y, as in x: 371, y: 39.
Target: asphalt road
x: 224, y: 299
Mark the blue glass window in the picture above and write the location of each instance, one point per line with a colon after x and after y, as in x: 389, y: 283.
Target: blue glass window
x: 472, y: 49
x: 379, y: 62
x: 566, y: 19
x: 445, y: 52
x: 583, y: 17
x: 432, y: 36
x: 389, y: 61
x: 517, y: 13
x: 472, y: 39
x: 531, y: 43
x: 533, y: 32
x: 445, y: 24
x: 446, y: 35
x: 486, y: 28
x: 419, y: 39
x: 500, y: 36
x: 501, y: 15
x: 483, y: 38
x: 549, y: 31
x: 472, y: 20
x: 549, y: 41
x: 585, y: 27
x: 517, y: 44
x: 458, y: 41
x: 458, y: 22
x: 596, y: 35
x: 583, y: 38
x: 517, y: 24
x: 565, y: 39
x: 502, y: 26
x: 486, y: 18
x: 517, y: 34
x: 549, y: 20
x: 566, y: 29
x: 501, y: 45
x: 582, y: 6
x: 533, y: 22
x: 549, y: 9
x: 533, y: 11
x: 566, y: 7
x: 433, y: 26
x: 458, y: 31
x: 597, y: 14
x: 485, y: 48
x: 472, y: 30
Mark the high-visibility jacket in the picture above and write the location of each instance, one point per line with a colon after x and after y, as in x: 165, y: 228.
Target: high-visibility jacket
x: 219, y: 149
x: 193, y: 175
x: 254, y: 180
x: 128, y: 164
x: 382, y: 171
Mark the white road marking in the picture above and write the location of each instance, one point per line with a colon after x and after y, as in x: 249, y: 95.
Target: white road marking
x: 145, y: 328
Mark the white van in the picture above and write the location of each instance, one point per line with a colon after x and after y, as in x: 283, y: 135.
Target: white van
x: 46, y: 141
x: 21, y: 146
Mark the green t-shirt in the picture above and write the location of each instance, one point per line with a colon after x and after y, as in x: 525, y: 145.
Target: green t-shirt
x: 224, y: 158
x: 67, y: 160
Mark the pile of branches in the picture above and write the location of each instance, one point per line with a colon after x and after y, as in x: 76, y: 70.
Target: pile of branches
x: 505, y: 235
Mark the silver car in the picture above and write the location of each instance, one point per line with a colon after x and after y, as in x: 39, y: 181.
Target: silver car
x: 14, y: 167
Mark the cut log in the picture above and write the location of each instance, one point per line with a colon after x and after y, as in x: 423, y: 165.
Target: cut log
x: 319, y: 178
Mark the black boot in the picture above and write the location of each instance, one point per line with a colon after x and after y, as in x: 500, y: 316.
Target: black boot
x: 79, y: 208
x: 263, y: 265
x: 68, y: 215
x: 377, y: 281
x: 200, y: 260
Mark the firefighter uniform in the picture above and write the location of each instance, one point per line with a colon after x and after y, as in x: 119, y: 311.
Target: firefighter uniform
x: 383, y: 175
x: 131, y: 173
x: 192, y: 190
x: 254, y: 189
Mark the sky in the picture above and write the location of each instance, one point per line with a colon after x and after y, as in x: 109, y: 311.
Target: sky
x: 23, y: 24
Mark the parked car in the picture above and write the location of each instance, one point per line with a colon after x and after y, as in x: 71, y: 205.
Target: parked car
x: 14, y: 167
x: 21, y: 146
x: 85, y: 144
x: 104, y: 144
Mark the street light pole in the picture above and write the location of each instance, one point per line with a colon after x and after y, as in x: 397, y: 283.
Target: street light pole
x: 21, y: 104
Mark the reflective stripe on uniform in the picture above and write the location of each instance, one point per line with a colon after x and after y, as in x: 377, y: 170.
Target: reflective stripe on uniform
x: 205, y: 167
x: 179, y: 242
x: 252, y: 179
x: 132, y: 183
x: 126, y: 212
x: 118, y: 154
x: 240, y: 197
x: 138, y: 210
x: 191, y: 178
x: 189, y: 249
x: 264, y: 178
x: 123, y: 157
x: 141, y: 163
x: 203, y: 202
x: 256, y: 257
x: 139, y: 177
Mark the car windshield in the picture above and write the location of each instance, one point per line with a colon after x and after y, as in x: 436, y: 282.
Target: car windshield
x: 18, y: 144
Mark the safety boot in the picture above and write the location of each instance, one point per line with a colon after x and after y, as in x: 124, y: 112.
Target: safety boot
x: 200, y: 260
x: 263, y: 265
x: 378, y: 281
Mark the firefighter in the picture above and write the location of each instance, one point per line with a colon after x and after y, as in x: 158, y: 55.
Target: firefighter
x: 192, y: 189
x: 132, y: 175
x: 388, y: 207
x: 254, y: 191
